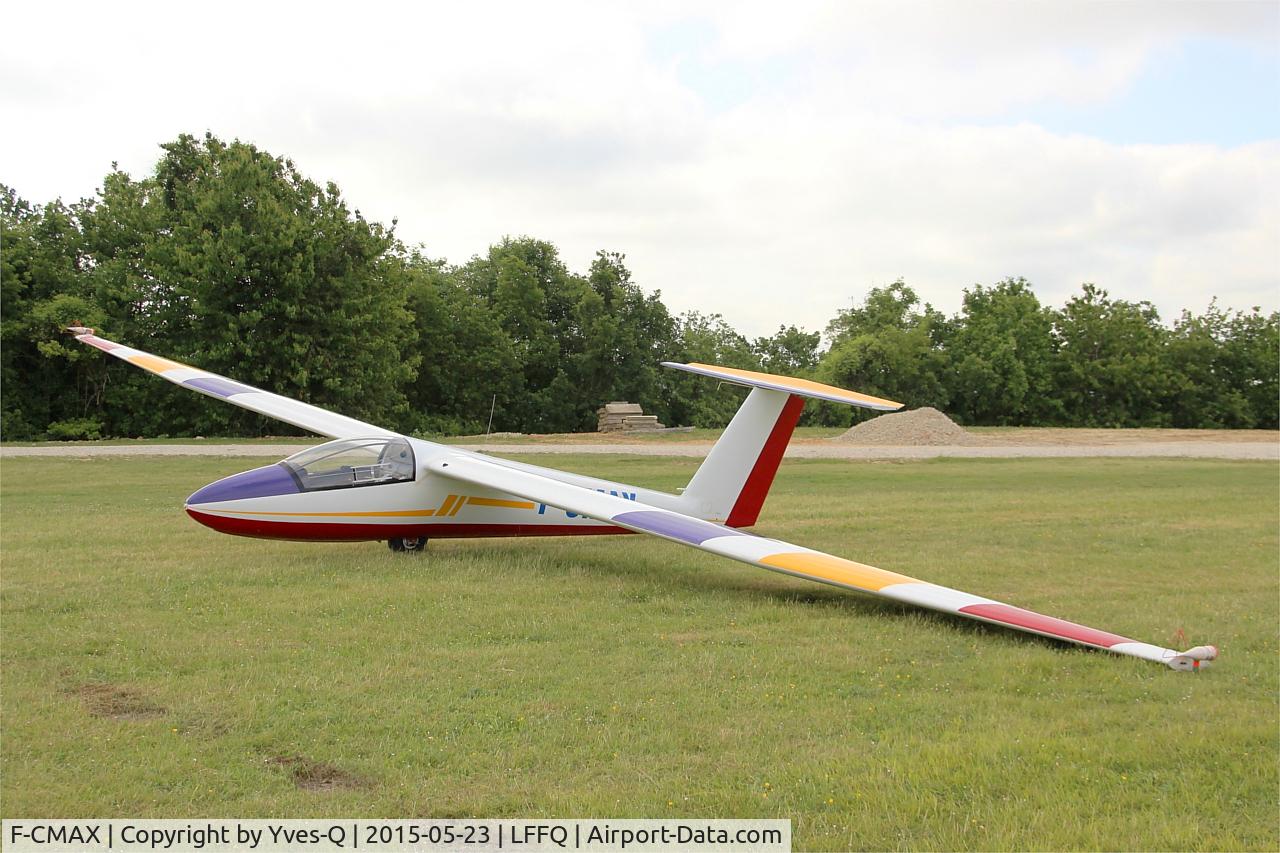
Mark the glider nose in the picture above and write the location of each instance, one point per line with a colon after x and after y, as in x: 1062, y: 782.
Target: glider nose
x: 258, y: 483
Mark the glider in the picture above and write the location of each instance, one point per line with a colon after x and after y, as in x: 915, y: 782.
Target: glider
x: 372, y: 484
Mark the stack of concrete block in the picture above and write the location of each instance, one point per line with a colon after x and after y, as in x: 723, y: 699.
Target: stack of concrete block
x: 625, y: 417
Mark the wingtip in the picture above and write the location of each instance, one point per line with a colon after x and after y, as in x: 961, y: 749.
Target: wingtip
x: 880, y: 404
x: 1194, y: 659
x: 80, y: 330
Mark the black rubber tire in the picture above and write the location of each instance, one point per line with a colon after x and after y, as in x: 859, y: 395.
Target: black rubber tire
x: 408, y: 545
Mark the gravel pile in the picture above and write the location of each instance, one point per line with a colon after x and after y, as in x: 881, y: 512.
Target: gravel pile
x: 916, y: 428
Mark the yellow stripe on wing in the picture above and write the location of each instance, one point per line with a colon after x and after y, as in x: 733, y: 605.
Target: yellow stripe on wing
x: 154, y: 363
x: 835, y: 569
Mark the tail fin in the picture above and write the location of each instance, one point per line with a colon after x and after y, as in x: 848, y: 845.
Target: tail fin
x: 733, y: 481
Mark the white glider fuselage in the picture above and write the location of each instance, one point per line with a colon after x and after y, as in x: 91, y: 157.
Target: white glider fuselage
x: 385, y: 487
x: 281, y: 501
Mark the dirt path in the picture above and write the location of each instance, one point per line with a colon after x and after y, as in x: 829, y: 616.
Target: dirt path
x: 1006, y: 449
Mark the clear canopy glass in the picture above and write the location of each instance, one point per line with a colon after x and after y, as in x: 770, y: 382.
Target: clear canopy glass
x: 351, y: 462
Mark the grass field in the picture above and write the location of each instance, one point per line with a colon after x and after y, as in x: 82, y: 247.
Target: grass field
x: 154, y: 668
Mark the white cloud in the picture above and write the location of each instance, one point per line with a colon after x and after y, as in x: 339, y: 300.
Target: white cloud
x: 869, y: 141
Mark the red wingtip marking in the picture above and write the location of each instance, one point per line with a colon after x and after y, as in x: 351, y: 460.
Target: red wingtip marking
x: 1044, y: 624
x: 95, y: 341
x: 750, y: 500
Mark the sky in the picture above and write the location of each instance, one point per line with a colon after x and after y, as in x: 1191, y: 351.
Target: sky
x: 770, y: 162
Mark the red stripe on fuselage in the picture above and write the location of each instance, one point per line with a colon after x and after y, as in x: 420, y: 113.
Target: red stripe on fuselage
x: 750, y: 500
x: 317, y: 531
x: 1008, y: 615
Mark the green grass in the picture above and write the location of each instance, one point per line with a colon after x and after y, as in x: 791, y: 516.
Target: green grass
x: 154, y: 668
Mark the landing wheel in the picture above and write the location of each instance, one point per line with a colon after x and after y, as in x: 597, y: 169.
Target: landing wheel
x: 408, y: 544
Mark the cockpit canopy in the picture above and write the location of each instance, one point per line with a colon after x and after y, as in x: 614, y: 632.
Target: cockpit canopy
x: 351, y: 462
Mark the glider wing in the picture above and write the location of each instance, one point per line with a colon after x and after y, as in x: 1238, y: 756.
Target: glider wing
x: 299, y: 414
x: 794, y: 560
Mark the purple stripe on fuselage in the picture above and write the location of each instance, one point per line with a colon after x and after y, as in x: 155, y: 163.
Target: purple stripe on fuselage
x: 689, y: 530
x: 221, y: 387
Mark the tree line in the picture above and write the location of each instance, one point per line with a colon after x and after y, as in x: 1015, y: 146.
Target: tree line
x: 228, y: 258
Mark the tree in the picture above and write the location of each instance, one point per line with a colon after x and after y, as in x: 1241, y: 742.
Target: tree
x: 50, y: 386
x: 1002, y: 352
x: 467, y: 361
x: 888, y: 347
x: 1253, y: 346
x: 626, y: 336
x: 578, y: 341
x: 229, y: 257
x: 536, y: 301
x: 1112, y: 368
x: 788, y: 352
x: 1223, y: 368
x: 696, y: 400
x: 884, y: 308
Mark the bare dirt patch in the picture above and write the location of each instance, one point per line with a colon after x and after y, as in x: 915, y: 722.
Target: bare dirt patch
x: 316, y: 775
x: 117, y: 703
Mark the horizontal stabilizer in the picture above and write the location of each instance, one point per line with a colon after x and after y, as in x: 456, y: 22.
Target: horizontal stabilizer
x: 800, y: 387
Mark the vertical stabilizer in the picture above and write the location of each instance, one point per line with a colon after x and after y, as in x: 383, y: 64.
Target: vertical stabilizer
x: 734, y: 479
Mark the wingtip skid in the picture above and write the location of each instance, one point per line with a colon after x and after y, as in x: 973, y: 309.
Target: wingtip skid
x: 1193, y: 660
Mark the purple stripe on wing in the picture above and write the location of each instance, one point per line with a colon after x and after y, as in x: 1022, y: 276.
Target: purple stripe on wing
x: 221, y: 387
x: 690, y: 530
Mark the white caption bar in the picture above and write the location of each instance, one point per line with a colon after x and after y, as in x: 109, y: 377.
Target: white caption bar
x: 384, y: 836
